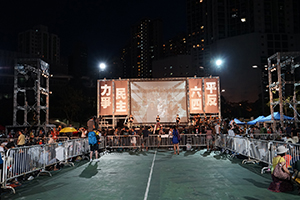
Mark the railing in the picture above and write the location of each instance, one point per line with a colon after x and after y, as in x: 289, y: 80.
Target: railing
x: 152, y: 141
x: 28, y: 159
x: 257, y: 150
x: 25, y: 160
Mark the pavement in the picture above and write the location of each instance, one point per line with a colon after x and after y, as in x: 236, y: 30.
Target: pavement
x: 153, y: 175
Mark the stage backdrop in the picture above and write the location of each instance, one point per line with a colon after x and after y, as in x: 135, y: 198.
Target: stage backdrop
x: 105, y: 98
x: 164, y: 97
x: 196, y: 96
x: 211, y: 95
x: 113, y: 97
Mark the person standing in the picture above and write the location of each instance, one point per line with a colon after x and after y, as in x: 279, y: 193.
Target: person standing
x: 231, y: 132
x: 160, y: 132
x: 218, y: 129
x: 175, y: 140
x: 157, y: 119
x: 177, y: 120
x: 130, y: 121
x: 21, y: 139
x: 157, y: 125
x: 133, y: 138
x: 91, y: 124
x: 93, y: 142
x: 145, y: 133
x: 209, y: 138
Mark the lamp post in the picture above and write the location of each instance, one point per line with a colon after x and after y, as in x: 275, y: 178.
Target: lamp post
x: 102, y: 67
x: 219, y: 62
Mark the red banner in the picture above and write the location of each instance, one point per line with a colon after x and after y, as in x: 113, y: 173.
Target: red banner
x: 211, y: 95
x: 105, y: 98
x: 121, y: 97
x: 196, y: 97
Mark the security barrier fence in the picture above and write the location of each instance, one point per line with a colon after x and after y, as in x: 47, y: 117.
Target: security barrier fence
x: 153, y: 141
x: 28, y: 159
x: 257, y: 150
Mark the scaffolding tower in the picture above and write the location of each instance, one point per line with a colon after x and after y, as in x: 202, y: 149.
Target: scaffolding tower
x: 285, y: 64
x: 31, y: 93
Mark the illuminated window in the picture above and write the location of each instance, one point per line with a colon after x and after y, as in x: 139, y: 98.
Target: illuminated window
x: 243, y: 20
x: 202, y: 40
x: 202, y: 27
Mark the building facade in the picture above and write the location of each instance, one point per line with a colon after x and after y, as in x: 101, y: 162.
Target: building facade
x: 145, y: 46
x: 40, y: 43
x: 242, y: 33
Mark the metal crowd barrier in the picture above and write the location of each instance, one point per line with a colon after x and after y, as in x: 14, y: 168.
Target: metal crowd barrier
x: 257, y: 150
x: 122, y: 141
x: 153, y: 141
x: 28, y: 159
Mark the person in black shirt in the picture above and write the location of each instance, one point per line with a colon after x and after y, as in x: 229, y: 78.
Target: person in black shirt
x: 177, y: 120
x: 157, y: 119
x: 145, y: 133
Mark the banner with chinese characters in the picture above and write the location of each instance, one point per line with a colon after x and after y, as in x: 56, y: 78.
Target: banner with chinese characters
x: 121, y: 99
x: 105, y: 98
x: 211, y: 95
x: 196, y: 97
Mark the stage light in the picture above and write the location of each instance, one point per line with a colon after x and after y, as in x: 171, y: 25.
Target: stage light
x: 102, y: 66
x: 219, y: 62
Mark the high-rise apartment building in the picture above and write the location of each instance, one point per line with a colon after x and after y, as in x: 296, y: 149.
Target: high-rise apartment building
x: 244, y: 33
x: 176, y: 46
x: 40, y: 43
x: 145, y: 46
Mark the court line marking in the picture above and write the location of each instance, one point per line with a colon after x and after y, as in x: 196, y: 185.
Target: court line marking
x: 149, y: 179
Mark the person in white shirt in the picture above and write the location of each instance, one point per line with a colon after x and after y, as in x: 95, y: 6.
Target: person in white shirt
x: 217, y: 128
x: 231, y: 132
x: 2, y: 147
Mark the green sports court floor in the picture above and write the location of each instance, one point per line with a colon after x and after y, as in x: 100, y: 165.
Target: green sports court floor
x: 153, y: 175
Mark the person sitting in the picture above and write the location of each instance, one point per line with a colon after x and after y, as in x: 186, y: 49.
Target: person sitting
x: 288, y: 159
x: 279, y: 185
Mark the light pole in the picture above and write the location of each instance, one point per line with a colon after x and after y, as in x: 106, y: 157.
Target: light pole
x: 219, y: 62
x: 102, y: 67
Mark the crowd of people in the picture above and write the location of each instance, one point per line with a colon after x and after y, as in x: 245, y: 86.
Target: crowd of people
x: 210, y: 127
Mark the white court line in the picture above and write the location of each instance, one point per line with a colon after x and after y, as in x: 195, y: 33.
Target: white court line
x: 149, y: 179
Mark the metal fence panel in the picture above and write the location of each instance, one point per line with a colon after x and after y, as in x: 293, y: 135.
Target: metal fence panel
x: 25, y: 160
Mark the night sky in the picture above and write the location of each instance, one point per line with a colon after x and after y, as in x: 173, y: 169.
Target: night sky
x: 103, y: 25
